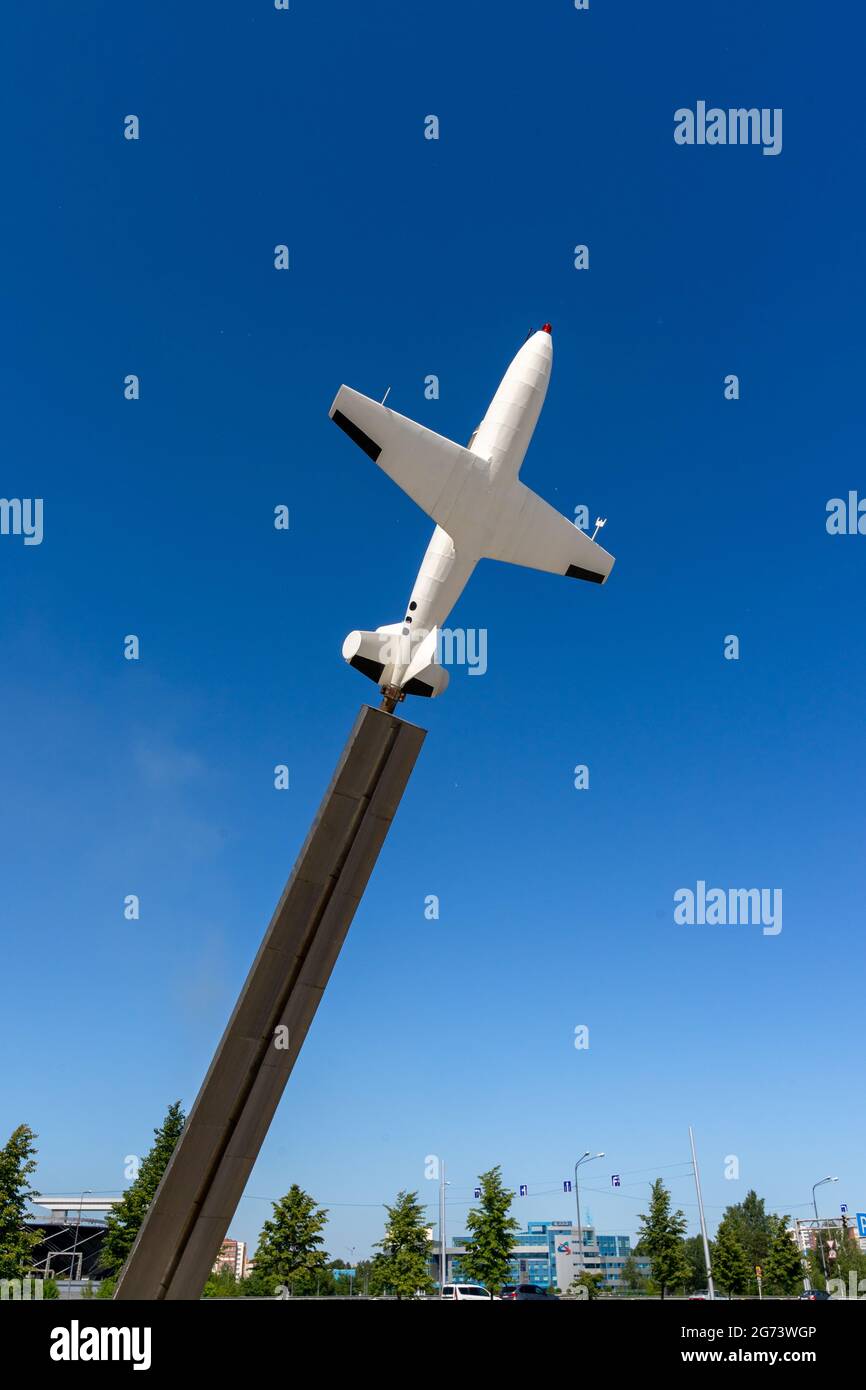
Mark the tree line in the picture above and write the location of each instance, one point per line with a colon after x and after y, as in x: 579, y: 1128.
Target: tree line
x: 291, y: 1259
x: 748, y: 1239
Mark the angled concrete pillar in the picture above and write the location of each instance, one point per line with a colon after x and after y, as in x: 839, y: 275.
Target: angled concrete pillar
x: 189, y: 1216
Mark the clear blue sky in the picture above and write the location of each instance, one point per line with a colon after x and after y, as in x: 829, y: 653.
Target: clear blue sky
x: 411, y: 257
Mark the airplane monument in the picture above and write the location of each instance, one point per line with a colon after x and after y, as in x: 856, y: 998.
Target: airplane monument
x: 481, y: 509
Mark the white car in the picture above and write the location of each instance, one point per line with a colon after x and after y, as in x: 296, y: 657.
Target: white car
x: 471, y: 1292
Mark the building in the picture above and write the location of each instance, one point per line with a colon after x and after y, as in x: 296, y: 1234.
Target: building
x: 71, y: 1237
x: 233, y: 1257
x: 547, y: 1253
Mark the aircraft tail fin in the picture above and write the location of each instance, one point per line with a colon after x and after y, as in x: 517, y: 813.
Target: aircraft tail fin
x: 390, y: 656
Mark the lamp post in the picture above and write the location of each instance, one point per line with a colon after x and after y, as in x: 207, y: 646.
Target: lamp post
x: 586, y: 1157
x: 818, y: 1223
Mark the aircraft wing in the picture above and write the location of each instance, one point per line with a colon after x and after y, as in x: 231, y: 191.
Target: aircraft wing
x: 530, y: 532
x: 431, y: 469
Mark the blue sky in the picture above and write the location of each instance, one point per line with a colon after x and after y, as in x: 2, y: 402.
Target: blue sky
x: 410, y: 257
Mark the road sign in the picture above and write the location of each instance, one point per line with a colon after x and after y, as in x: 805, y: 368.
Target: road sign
x: 614, y: 1180
x: 524, y: 1190
x: 477, y: 1193
x: 861, y: 1223
x: 758, y: 1271
x: 844, y: 1207
x: 566, y: 1186
x: 343, y: 1273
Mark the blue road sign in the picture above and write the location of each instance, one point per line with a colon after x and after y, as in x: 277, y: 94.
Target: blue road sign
x: 343, y: 1273
x: 861, y: 1223
x: 844, y: 1207
x: 524, y: 1190
x: 476, y: 1193
x: 566, y: 1186
x: 614, y: 1178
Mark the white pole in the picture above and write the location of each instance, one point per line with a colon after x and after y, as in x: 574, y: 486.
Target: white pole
x: 442, y: 1259
x: 710, y: 1286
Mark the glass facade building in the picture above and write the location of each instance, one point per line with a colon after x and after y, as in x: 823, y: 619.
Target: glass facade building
x: 548, y: 1253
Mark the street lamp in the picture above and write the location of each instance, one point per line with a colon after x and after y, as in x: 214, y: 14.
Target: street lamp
x: 586, y: 1157
x: 818, y: 1223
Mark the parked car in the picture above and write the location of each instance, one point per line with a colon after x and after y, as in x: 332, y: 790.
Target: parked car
x: 526, y: 1293
x: 456, y: 1293
x: 705, y: 1293
x: 816, y: 1295
x: 507, y: 1291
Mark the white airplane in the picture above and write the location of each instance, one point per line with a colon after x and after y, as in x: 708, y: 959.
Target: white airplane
x: 481, y: 508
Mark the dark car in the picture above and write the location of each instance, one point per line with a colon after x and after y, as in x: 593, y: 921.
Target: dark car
x: 525, y: 1293
x: 816, y: 1295
x: 508, y: 1290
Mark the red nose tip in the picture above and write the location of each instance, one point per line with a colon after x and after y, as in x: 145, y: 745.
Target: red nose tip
x: 546, y: 328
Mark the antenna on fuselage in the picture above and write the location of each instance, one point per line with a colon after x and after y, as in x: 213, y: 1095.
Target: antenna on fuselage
x: 386, y: 395
x: 599, y: 522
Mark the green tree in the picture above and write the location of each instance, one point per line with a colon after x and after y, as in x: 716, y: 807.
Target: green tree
x: 585, y: 1286
x: 693, y: 1249
x: 783, y: 1265
x: 125, y: 1220
x: 732, y: 1272
x: 661, y: 1238
x: 403, y: 1266
x: 363, y: 1270
x: 631, y: 1275
x: 223, y: 1285
x: 377, y: 1278
x: 487, y: 1255
x: 17, y: 1244
x: 289, y: 1246
x: 751, y: 1225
